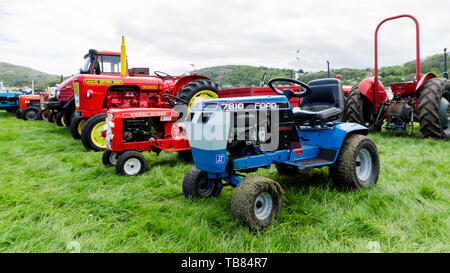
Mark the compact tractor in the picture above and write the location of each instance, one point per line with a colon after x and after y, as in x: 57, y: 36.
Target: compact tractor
x: 131, y: 130
x: 234, y: 136
x: 114, y: 86
x: 425, y: 99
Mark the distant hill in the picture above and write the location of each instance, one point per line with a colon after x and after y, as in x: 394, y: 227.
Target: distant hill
x: 18, y: 76
x: 228, y: 76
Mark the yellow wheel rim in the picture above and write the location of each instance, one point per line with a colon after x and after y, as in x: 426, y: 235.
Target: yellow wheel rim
x: 80, y: 125
x: 96, y: 135
x: 202, y: 95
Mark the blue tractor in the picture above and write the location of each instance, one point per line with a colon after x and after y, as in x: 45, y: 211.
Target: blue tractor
x: 9, y: 101
x: 234, y: 136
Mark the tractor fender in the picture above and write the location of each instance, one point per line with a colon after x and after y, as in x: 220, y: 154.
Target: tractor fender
x: 366, y: 87
x: 68, y: 104
x: 424, y: 79
x: 187, y: 79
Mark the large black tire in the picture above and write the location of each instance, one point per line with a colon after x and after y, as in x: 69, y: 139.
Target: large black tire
x: 76, y: 127
x: 358, y: 109
x: 131, y: 163
x: 91, y: 133
x: 190, y: 91
x: 109, y: 158
x: 31, y: 113
x: 358, y: 163
x: 51, y: 116
x: 59, y: 119
x: 434, y: 109
x: 196, y: 185
x: 256, y: 201
x: 18, y: 113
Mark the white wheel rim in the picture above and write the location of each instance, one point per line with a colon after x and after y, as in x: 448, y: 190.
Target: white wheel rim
x: 113, y: 158
x: 363, y: 164
x: 263, y: 205
x: 132, y: 166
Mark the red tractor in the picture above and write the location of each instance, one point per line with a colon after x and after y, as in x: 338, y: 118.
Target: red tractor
x: 29, y: 106
x: 112, y: 85
x: 425, y: 99
x: 131, y: 130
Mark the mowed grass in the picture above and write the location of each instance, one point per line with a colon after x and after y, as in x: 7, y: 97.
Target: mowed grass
x: 54, y: 193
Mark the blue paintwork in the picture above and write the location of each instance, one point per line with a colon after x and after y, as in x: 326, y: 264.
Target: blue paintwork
x: 9, y: 99
x: 215, y: 162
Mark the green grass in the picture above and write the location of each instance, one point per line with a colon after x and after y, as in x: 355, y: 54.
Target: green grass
x: 53, y: 192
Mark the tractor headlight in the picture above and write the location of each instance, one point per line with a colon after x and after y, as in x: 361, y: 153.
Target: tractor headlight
x: 88, y: 94
x: 57, y: 94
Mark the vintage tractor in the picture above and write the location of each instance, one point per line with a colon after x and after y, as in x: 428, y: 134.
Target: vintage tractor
x: 114, y: 86
x: 425, y: 99
x: 233, y: 136
x: 129, y: 131
x: 9, y: 100
x: 29, y: 106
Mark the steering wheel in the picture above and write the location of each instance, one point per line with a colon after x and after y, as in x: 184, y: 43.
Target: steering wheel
x: 307, y: 91
x: 162, y: 75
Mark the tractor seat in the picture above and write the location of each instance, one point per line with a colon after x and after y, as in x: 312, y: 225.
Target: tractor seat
x: 326, y: 102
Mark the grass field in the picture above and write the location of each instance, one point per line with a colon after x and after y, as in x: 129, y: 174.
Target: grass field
x: 55, y: 195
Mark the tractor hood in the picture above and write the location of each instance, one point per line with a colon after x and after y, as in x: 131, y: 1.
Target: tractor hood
x: 212, y: 124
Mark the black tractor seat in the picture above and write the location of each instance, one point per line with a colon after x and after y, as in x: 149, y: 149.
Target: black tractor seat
x: 326, y: 103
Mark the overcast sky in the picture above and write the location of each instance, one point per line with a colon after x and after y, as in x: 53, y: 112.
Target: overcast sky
x: 52, y: 36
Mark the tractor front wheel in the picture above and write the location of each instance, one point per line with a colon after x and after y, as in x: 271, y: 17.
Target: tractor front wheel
x: 109, y: 158
x: 76, y: 127
x: 358, y: 109
x: 256, y: 201
x: 358, y: 164
x: 31, y: 113
x: 51, y: 116
x: 59, y: 119
x: 43, y: 115
x: 92, y: 133
x: 131, y: 163
x: 434, y: 109
x: 197, y: 185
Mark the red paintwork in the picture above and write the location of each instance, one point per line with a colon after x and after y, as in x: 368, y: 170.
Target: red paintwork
x: 25, y: 99
x: 173, y: 139
x: 258, y: 91
x: 346, y: 88
x: 366, y: 87
x: 141, y: 97
x: 424, y: 79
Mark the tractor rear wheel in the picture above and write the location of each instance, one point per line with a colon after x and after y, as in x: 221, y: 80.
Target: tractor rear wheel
x: 358, y: 109
x: 358, y: 163
x: 59, y: 119
x: 197, y: 90
x: 92, y: 133
x: 31, y: 113
x: 197, y: 185
x: 434, y: 109
x: 131, y: 163
x: 256, y: 201
x: 76, y: 127
x: 51, y: 116
x: 109, y: 158
x: 18, y: 113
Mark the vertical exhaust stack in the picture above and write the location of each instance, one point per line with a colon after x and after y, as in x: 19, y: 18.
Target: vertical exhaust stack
x: 123, y: 58
x: 445, y: 74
